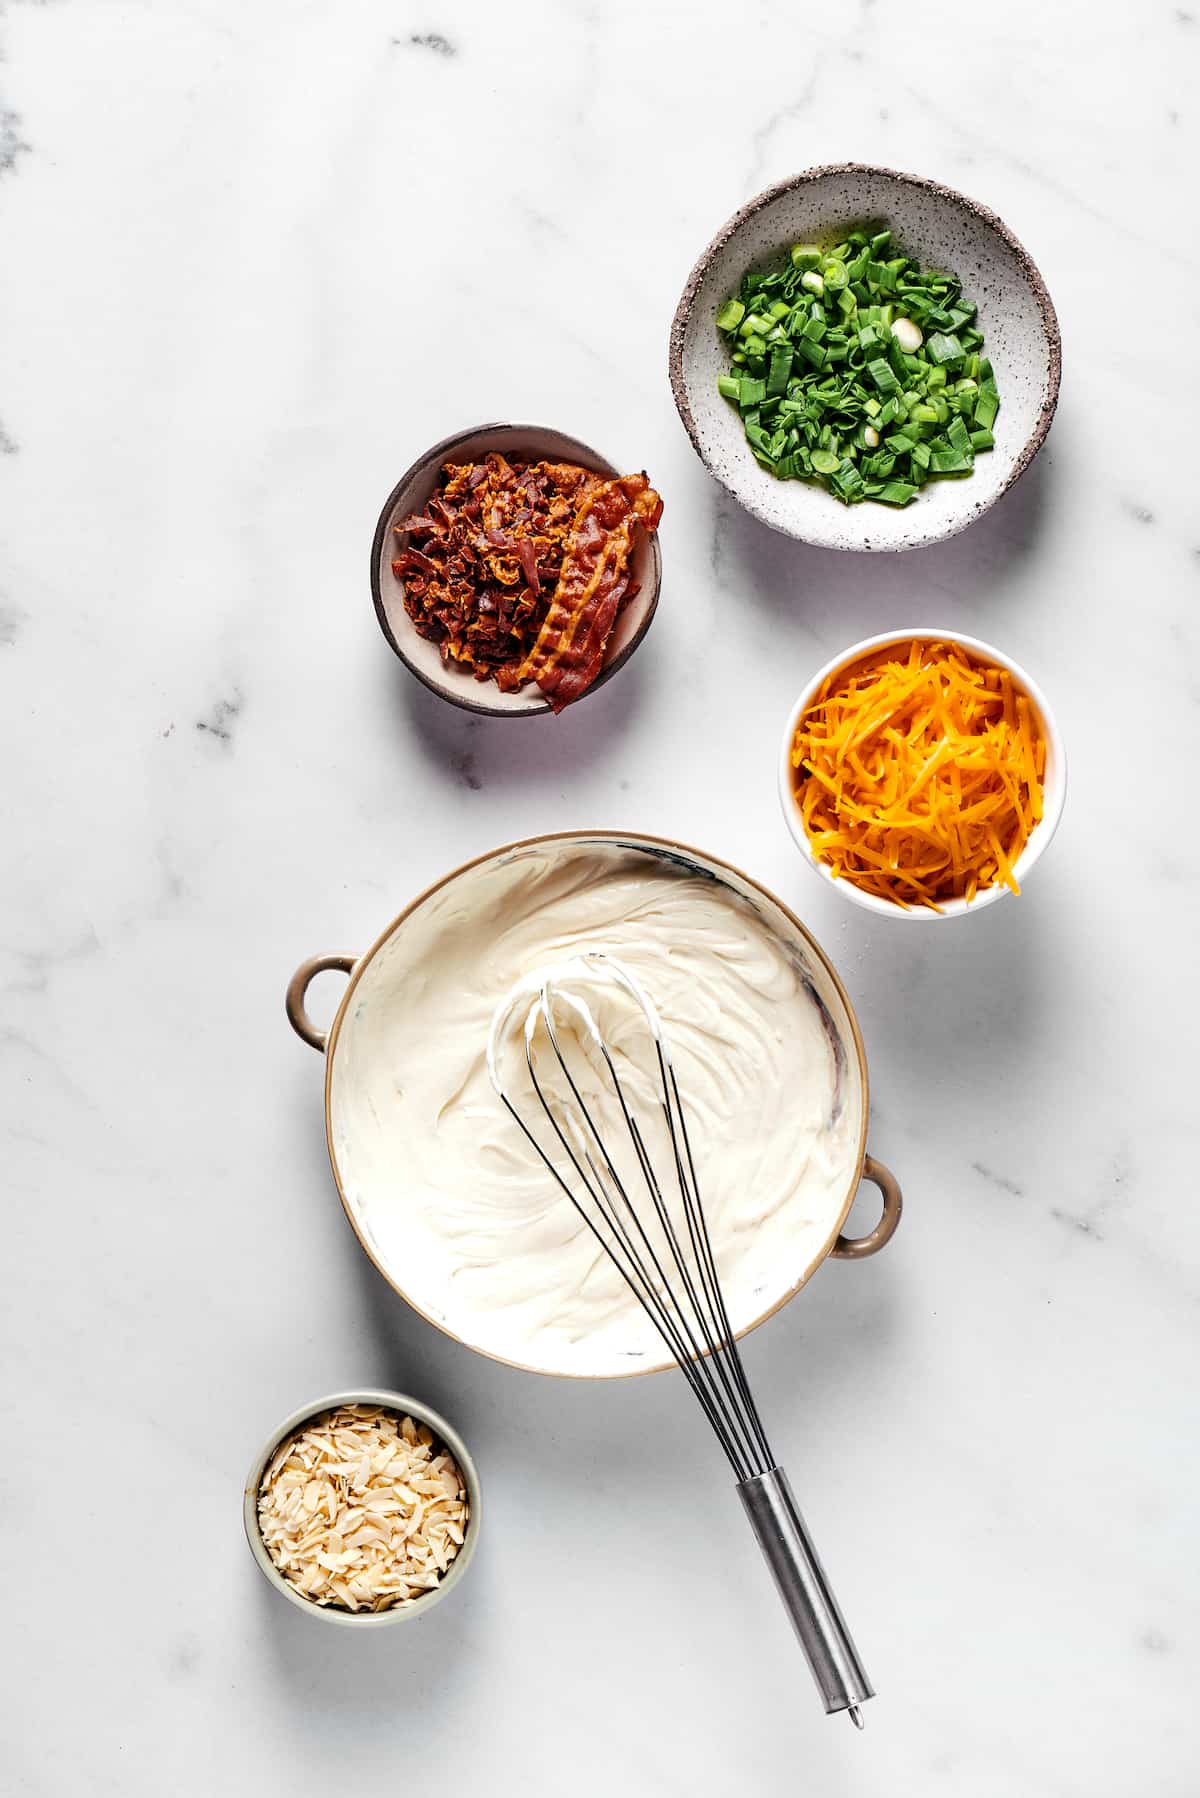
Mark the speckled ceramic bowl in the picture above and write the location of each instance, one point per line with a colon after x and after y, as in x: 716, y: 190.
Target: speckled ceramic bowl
x: 386, y: 1401
x: 1054, y: 785
x: 411, y: 492
x: 939, y: 228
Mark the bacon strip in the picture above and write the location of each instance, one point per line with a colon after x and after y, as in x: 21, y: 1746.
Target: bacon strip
x: 594, y: 582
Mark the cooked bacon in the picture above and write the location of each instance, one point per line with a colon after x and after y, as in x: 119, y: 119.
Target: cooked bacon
x: 517, y: 570
x: 481, y: 558
x: 529, y: 563
x: 594, y: 582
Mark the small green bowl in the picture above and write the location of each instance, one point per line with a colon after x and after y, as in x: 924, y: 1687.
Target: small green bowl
x: 404, y: 1406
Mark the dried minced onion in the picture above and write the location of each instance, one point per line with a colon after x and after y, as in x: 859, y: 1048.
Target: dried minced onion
x: 362, y: 1510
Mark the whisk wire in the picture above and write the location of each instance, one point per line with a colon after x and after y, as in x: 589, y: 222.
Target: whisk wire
x: 705, y: 1353
x: 688, y: 1312
x: 709, y: 1265
x: 714, y: 1327
x: 677, y: 1286
x: 673, y: 1327
x: 622, y: 1255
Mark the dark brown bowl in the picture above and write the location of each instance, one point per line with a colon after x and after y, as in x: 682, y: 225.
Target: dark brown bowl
x: 420, y: 657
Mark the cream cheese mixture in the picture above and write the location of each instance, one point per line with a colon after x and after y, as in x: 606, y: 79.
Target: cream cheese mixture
x: 455, y: 1203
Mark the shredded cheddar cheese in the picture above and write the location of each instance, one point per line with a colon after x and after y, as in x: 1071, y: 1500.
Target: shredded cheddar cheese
x: 918, y: 772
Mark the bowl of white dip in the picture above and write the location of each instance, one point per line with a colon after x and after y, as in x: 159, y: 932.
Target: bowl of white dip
x: 453, y: 1206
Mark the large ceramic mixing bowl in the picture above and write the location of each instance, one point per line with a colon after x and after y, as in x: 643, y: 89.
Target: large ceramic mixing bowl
x: 367, y: 1047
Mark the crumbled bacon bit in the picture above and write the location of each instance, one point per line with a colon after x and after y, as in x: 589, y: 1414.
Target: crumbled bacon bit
x: 518, y: 570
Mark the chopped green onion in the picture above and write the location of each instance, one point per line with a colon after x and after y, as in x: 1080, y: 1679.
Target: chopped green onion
x: 896, y: 493
x: 956, y: 431
x: 943, y: 348
x: 781, y: 368
x: 908, y: 334
x: 949, y: 462
x: 852, y: 366
x: 848, y: 482
x: 986, y: 408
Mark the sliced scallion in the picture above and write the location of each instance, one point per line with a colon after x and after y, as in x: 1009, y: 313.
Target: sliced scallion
x: 944, y: 347
x: 854, y: 367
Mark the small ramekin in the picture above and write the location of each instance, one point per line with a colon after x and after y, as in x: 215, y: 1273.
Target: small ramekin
x: 405, y: 1406
x: 412, y: 492
x: 1054, y: 787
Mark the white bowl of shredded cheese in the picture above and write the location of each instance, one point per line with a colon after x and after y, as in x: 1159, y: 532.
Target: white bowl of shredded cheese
x: 896, y: 645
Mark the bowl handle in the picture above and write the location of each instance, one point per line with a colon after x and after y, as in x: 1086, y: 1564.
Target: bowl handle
x: 853, y: 1248
x: 298, y: 985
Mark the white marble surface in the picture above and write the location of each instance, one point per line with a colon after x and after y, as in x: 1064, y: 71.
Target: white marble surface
x: 255, y: 258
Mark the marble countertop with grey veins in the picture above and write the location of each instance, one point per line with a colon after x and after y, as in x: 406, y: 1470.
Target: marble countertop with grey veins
x: 256, y: 258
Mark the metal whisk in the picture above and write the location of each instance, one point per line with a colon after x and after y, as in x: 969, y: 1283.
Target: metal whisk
x: 650, y: 1223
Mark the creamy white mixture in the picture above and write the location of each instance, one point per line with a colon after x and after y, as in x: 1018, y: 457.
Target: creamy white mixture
x: 453, y: 1200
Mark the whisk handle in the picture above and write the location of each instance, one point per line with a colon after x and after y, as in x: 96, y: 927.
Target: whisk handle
x: 800, y: 1580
